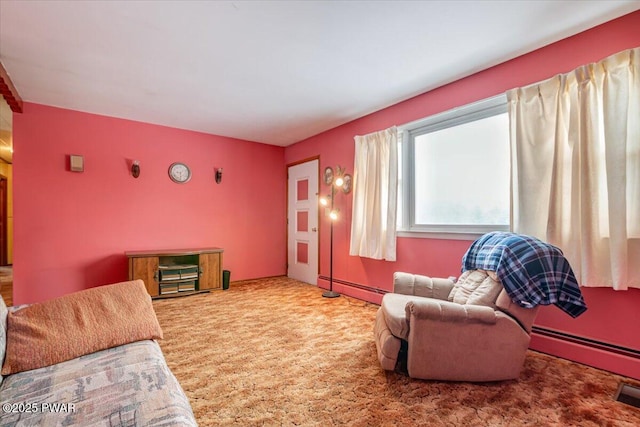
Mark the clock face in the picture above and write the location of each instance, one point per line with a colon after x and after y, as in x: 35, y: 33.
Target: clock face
x: 179, y: 172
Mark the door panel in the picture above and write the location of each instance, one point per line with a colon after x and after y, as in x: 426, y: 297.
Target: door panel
x: 210, y: 271
x: 302, y: 218
x: 146, y: 269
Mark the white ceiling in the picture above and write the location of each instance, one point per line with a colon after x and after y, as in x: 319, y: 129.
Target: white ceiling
x: 274, y: 72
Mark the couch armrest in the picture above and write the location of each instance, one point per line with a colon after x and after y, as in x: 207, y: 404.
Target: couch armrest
x: 424, y: 286
x: 446, y: 311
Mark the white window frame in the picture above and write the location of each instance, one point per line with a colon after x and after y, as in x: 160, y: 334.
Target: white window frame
x: 406, y: 191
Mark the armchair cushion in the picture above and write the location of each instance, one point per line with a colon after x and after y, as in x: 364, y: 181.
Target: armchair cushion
x: 393, y: 307
x: 387, y: 344
x: 475, y: 287
x: 423, y: 286
x: 450, y: 312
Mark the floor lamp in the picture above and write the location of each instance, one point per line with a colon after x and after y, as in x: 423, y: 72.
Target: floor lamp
x: 338, y: 181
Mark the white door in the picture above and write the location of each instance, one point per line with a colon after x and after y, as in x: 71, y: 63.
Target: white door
x: 302, y: 222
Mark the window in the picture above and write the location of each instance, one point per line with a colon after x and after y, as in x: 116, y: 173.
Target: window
x: 454, y: 171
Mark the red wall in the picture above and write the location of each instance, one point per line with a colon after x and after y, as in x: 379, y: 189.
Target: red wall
x: 613, y: 317
x: 72, y: 229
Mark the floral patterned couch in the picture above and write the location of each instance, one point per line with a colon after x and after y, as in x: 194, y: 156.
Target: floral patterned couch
x: 128, y: 384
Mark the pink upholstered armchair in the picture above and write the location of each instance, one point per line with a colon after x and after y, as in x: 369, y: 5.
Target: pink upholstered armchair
x: 467, y: 330
x: 475, y: 328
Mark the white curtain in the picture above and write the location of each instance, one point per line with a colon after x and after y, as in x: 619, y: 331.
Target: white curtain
x: 375, y: 182
x: 575, y: 147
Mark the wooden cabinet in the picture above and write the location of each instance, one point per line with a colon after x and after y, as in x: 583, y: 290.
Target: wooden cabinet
x: 169, y: 273
x: 211, y: 271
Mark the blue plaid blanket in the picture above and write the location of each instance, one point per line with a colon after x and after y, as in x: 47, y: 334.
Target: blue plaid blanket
x: 531, y: 271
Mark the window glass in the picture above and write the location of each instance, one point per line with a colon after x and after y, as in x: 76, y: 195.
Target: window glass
x: 454, y: 171
x: 462, y: 174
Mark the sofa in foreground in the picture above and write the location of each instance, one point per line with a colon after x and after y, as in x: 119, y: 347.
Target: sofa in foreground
x: 88, y: 358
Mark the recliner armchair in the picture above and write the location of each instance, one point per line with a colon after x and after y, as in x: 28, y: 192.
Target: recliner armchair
x: 464, y: 330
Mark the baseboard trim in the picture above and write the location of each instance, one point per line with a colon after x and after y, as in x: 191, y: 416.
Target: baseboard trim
x: 257, y: 278
x: 587, y: 342
x: 355, y: 285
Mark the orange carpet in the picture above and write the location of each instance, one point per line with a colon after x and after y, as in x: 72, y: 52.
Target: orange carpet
x: 273, y: 352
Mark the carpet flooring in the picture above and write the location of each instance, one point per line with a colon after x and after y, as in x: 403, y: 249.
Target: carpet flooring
x: 273, y: 352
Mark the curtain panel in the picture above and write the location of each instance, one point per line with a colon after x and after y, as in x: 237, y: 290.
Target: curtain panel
x: 375, y: 182
x: 575, y: 164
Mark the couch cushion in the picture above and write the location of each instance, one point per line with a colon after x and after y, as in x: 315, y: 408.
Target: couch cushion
x: 393, y: 308
x: 476, y: 287
x: 129, y: 385
x: 64, y: 328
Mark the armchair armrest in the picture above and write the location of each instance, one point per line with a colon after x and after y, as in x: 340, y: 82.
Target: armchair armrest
x: 456, y: 342
x: 423, y: 286
x: 447, y: 311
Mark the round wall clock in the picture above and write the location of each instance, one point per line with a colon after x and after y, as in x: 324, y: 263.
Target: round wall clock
x: 179, y: 172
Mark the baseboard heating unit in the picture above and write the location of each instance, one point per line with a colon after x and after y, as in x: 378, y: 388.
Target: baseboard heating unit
x: 628, y: 394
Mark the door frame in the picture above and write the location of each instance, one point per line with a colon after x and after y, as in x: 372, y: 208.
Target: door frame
x: 4, y: 227
x: 286, y: 235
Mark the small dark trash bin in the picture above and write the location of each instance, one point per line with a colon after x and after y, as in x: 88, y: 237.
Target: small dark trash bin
x: 226, y: 275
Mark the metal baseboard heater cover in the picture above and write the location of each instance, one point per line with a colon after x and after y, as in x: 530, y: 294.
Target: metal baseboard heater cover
x: 628, y: 394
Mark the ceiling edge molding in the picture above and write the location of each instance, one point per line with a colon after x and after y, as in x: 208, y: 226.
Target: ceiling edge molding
x: 9, y: 91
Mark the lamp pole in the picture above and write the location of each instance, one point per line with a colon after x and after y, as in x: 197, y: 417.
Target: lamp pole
x: 330, y: 293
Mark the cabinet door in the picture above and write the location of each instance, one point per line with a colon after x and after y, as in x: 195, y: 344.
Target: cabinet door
x: 145, y: 269
x: 211, y: 268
